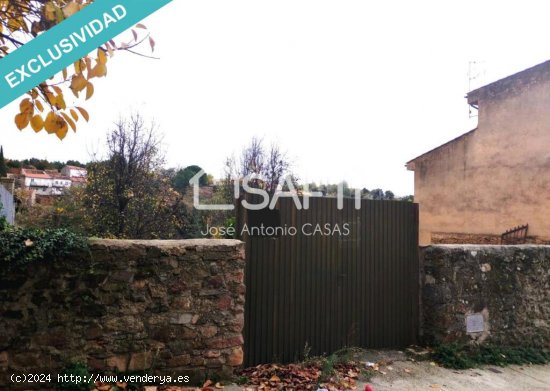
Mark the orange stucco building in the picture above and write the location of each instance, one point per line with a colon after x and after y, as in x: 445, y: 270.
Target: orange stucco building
x: 496, y: 176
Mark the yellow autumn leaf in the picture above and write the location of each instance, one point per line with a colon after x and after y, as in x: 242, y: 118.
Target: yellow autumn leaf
x: 69, y: 121
x: 71, y: 9
x: 60, y: 102
x: 84, y: 113
x: 63, y: 129
x: 51, y: 98
x: 77, y: 67
x: 49, y: 11
x: 78, y: 83
x: 99, y: 70
x: 89, y: 90
x: 39, y: 106
x: 37, y: 123
x: 59, y: 17
x: 26, y: 106
x: 22, y: 120
x: 101, y: 57
x: 74, y: 115
x: 51, y: 124
x: 88, y: 62
x: 13, y: 24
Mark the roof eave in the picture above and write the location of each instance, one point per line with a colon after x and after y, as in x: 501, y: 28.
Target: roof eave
x: 411, y: 163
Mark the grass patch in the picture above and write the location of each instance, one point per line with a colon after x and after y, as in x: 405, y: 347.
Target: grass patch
x: 76, y: 370
x: 462, y: 356
x: 331, y: 365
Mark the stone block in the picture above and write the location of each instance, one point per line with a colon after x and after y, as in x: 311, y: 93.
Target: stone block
x: 236, y: 357
x: 225, y: 342
x: 179, y: 361
x: 140, y: 361
x: 225, y: 302
x: 4, y: 360
x: 182, y: 318
x: 120, y: 363
x: 208, y: 331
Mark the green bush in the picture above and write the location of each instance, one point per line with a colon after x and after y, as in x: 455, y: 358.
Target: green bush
x: 19, y: 246
x: 230, y: 222
x: 461, y: 356
x: 3, y: 221
x: 79, y: 371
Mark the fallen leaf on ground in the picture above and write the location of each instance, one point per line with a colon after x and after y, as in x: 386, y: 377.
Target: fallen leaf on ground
x: 300, y: 377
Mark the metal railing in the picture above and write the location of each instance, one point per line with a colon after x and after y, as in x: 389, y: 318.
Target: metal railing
x: 516, y: 235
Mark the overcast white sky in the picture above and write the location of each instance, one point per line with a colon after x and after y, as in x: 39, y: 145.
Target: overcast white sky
x: 350, y: 89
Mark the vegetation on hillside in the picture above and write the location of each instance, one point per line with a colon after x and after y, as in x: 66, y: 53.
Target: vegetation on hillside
x: 42, y: 164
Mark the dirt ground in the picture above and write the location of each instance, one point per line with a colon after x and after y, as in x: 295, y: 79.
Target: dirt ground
x: 400, y: 374
x: 396, y: 372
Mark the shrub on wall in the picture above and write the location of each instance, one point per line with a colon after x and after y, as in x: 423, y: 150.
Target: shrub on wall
x: 19, y: 246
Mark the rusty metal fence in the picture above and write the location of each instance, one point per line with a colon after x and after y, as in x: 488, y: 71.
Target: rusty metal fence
x: 516, y: 235
x: 316, y: 289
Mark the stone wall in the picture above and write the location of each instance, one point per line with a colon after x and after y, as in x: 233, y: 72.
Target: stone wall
x: 162, y: 307
x: 465, y: 238
x: 498, y: 294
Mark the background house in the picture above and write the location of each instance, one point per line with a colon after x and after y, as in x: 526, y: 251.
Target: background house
x: 46, y: 184
x: 74, y: 172
x: 36, y: 180
x: 496, y: 176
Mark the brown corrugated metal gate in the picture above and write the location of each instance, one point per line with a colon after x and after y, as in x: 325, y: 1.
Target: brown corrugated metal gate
x: 328, y: 292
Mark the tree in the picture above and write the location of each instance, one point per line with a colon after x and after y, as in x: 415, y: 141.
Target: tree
x: 271, y: 164
x: 3, y: 167
x: 47, y: 106
x: 388, y: 195
x: 277, y: 166
x: 183, y: 176
x: 126, y: 193
x: 377, y: 194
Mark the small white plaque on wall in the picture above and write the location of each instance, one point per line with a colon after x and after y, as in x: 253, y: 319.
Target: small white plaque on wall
x: 474, y: 323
